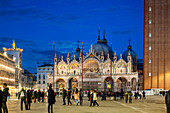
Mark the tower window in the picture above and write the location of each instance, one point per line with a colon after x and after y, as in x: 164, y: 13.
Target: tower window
x: 149, y: 73
x: 149, y: 60
x: 149, y: 47
x: 150, y: 21
x: 150, y: 9
x: 149, y: 34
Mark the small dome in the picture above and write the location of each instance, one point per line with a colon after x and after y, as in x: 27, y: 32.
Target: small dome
x: 133, y: 54
x: 77, y: 54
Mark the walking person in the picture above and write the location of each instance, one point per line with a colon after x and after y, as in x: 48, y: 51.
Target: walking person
x: 135, y: 95
x: 91, y: 98
x: 69, y: 97
x: 81, y: 96
x: 76, y: 97
x: 88, y: 94
x: 95, y: 99
x: 64, y: 96
x: 130, y: 97
x: 126, y: 97
x: 22, y: 96
x: 29, y: 101
x: 51, y: 98
x: 140, y: 95
x: 167, y: 101
x: 1, y: 98
x: 5, y: 94
x: 35, y: 96
x: 42, y: 96
x: 39, y: 95
x: 143, y: 95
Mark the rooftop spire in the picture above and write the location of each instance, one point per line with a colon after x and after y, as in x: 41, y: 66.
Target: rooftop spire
x: 78, y: 49
x: 129, y: 47
x: 98, y: 40
x: 104, y: 38
x: 104, y: 32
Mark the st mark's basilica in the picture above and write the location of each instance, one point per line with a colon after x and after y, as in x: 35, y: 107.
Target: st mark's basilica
x: 96, y: 69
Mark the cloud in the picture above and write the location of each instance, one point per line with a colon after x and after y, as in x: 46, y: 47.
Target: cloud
x: 6, y: 4
x: 121, y: 32
x: 38, y: 51
x: 36, y: 13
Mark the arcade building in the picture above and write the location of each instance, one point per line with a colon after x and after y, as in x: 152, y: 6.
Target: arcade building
x: 103, y: 70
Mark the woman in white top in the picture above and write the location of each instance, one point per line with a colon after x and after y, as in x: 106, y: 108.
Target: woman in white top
x: 76, y: 96
x: 95, y: 99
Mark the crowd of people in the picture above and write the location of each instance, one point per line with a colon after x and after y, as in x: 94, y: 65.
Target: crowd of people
x: 3, y: 98
x: 75, y: 96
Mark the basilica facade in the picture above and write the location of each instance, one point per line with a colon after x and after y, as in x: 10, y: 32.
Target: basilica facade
x: 103, y: 70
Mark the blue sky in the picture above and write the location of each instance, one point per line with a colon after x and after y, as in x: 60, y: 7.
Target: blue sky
x: 36, y: 24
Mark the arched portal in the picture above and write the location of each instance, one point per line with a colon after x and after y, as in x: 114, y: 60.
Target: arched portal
x: 60, y: 84
x: 108, y: 84
x: 121, y: 84
x: 73, y: 83
x: 133, y: 83
x: 91, y: 66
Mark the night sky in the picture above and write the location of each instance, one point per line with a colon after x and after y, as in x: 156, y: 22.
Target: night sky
x: 36, y: 24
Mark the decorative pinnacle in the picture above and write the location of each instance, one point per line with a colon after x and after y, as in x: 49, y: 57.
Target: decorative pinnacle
x: 55, y: 55
x: 68, y: 55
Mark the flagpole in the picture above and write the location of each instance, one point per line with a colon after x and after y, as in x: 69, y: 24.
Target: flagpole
x: 111, y: 68
x: 82, y: 66
x: 53, y: 61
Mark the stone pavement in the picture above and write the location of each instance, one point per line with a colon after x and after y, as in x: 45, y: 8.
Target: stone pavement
x: 153, y: 104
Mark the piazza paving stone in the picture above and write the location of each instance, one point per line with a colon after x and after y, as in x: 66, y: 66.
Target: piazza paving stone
x: 153, y: 104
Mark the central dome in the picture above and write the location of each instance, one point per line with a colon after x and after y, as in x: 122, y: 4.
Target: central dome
x: 101, y: 47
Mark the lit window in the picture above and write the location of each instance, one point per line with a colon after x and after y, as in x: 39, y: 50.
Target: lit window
x: 150, y: 9
x: 149, y: 73
x: 149, y: 34
x: 149, y: 47
x: 149, y: 60
x: 150, y: 21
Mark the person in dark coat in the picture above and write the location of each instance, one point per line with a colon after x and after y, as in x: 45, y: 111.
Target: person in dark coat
x: 39, y: 95
x: 167, y: 101
x: 69, y: 97
x: 135, y: 95
x: 35, y: 96
x: 29, y: 101
x: 51, y: 99
x: 88, y: 95
x: 42, y: 96
x: 5, y: 95
x: 23, y: 96
x: 64, y: 96
x: 143, y: 94
x: 81, y: 96
x: 1, y: 97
